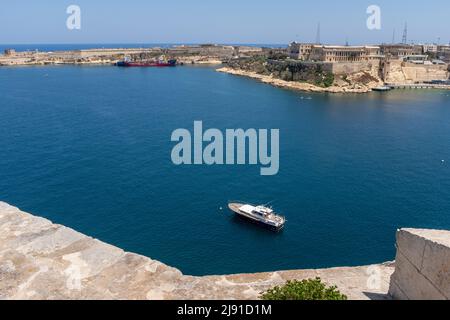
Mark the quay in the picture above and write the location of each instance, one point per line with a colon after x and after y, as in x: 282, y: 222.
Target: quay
x: 419, y: 86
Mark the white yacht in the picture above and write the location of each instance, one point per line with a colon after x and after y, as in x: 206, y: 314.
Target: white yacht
x: 259, y: 214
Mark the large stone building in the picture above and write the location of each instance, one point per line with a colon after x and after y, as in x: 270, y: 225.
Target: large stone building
x: 444, y: 53
x: 345, y: 53
x: 322, y: 53
x: 430, y: 48
x: 300, y: 51
x: 400, y: 51
x: 10, y: 52
x: 444, y: 48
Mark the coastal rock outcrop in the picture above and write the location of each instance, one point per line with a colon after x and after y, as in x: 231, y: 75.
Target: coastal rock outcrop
x: 339, y: 87
x: 307, y: 76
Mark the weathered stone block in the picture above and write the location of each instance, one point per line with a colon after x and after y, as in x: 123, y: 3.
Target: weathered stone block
x: 436, y: 266
x: 412, y: 283
x: 411, y: 247
x: 422, y: 267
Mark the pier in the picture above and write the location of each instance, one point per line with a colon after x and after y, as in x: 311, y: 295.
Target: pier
x: 419, y: 86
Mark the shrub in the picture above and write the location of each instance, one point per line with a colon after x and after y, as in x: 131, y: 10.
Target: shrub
x: 311, y: 289
x: 329, y: 79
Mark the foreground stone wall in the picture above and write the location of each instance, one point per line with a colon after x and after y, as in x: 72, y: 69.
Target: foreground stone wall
x: 422, y: 267
x: 42, y: 260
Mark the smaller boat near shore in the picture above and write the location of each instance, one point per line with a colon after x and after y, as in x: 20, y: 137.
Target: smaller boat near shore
x: 382, y: 89
x: 259, y: 214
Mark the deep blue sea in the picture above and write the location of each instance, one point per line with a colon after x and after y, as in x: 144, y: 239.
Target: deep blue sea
x: 89, y: 147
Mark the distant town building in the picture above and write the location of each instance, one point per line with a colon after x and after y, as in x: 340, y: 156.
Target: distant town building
x: 345, y: 53
x: 430, y: 48
x: 399, y: 51
x: 10, y: 52
x: 444, y: 48
x: 324, y: 53
x: 248, y: 50
x: 417, y: 59
x: 418, y: 49
x: 445, y: 56
x: 300, y: 51
x: 373, y: 53
x: 444, y: 53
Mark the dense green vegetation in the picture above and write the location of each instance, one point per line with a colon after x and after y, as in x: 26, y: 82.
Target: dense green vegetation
x: 311, y: 289
x: 285, y: 69
x: 328, y: 80
x: 323, y: 78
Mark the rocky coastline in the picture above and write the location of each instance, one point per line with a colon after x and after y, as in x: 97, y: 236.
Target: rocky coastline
x: 301, y: 86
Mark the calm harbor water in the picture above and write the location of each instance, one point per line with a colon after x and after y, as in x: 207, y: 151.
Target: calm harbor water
x: 89, y: 147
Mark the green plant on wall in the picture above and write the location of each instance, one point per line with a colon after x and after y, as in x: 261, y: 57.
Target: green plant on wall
x: 310, y: 289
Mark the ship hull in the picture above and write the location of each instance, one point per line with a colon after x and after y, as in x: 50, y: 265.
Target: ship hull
x: 258, y: 223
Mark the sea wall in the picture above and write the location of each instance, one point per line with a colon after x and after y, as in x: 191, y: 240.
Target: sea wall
x: 422, y: 265
x: 424, y: 73
x: 399, y: 72
x: 43, y: 260
x: 347, y: 68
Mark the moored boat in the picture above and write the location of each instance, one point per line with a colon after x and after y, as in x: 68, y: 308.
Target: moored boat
x: 382, y: 89
x: 259, y: 214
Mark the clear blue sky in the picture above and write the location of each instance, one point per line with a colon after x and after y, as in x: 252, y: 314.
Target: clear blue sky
x: 230, y: 21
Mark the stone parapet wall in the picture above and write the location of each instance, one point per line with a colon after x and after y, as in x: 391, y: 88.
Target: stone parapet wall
x: 42, y: 260
x: 422, y: 267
